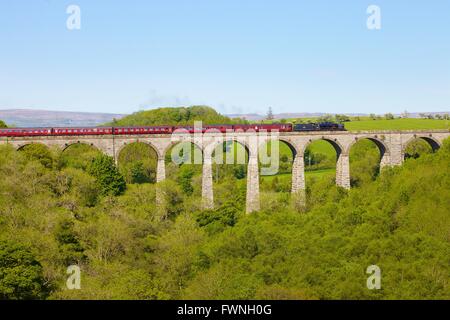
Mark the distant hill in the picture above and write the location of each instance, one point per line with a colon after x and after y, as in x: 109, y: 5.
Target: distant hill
x: 45, y: 118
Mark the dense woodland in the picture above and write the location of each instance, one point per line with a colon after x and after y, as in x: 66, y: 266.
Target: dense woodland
x: 77, y: 207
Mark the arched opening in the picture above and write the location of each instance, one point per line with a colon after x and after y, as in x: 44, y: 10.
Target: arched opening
x: 320, y: 158
x: 275, y: 164
x: 39, y: 152
x: 419, y: 146
x: 365, y: 160
x: 183, y: 162
x: 229, y: 172
x: 77, y: 155
x: 137, y: 162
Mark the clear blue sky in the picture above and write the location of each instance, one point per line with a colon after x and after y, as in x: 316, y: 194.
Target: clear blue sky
x: 237, y: 56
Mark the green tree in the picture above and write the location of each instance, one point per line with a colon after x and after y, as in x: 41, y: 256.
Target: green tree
x: 185, y: 179
x: 78, y: 155
x: 341, y: 118
x: 239, y: 171
x: 389, y: 116
x: 174, y: 116
x: 416, y: 148
x: 109, y: 180
x: 70, y: 247
x: 39, y: 152
x: 21, y: 275
x: 137, y: 163
x: 138, y: 173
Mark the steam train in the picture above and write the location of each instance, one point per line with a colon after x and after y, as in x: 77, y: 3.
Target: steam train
x: 74, y: 131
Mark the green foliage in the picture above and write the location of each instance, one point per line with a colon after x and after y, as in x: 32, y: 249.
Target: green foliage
x: 319, y: 155
x: 74, y: 188
x: 364, y: 162
x: 69, y: 244
x: 137, y: 163
x: 3, y: 124
x: 416, y: 148
x: 175, y: 116
x: 185, y: 175
x: 239, y: 171
x: 137, y: 173
x: 109, y: 180
x: 21, y: 275
x: 39, y: 152
x: 341, y: 118
x: 170, y: 198
x: 389, y: 116
x: 215, y: 221
x: 78, y: 155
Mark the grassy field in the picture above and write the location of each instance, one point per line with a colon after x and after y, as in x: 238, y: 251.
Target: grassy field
x: 308, y: 175
x: 365, y: 123
x: 397, y: 124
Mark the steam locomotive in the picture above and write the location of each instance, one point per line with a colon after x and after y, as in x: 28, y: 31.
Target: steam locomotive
x: 78, y: 131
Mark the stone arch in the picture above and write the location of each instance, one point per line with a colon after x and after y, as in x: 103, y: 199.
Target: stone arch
x: 432, y: 142
x: 172, y: 144
x: 342, y: 159
x: 44, y: 154
x: 212, y: 147
x: 372, y: 169
x: 21, y: 146
x: 176, y: 159
x: 271, y: 170
x: 125, y: 144
x: 338, y: 147
x: 138, y: 162
x: 78, y: 154
x: 252, y: 173
x: 382, y: 146
x: 290, y: 144
x: 67, y: 145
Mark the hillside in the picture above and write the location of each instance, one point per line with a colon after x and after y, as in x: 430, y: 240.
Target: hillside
x: 174, y: 116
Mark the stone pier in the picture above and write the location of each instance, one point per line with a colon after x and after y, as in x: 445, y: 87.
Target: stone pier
x: 160, y: 169
x: 252, y: 199
x: 343, y: 171
x: 298, y: 173
x: 207, y: 184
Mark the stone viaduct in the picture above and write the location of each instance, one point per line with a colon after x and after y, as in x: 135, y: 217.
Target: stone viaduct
x: 391, y: 145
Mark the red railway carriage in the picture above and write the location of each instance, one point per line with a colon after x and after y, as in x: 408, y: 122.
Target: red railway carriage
x: 143, y: 130
x: 71, y: 131
x: 219, y: 127
x: 25, y: 132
